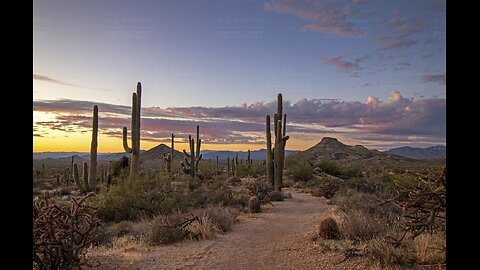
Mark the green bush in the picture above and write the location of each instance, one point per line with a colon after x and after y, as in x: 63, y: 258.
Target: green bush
x: 298, y: 168
x: 131, y: 200
x: 329, y: 167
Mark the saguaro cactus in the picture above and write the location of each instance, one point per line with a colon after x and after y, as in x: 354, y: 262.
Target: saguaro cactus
x: 92, y: 175
x: 269, y: 159
x: 89, y: 177
x: 280, y: 142
x: 276, y: 157
x: 167, y: 159
x: 191, y: 167
x: 135, y: 132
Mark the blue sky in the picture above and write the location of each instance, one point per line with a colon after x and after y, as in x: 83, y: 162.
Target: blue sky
x: 227, y: 53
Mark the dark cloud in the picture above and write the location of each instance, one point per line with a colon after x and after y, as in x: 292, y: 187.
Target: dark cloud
x: 397, y: 116
x: 55, y: 81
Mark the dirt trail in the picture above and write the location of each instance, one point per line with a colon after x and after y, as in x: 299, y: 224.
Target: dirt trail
x: 274, y: 239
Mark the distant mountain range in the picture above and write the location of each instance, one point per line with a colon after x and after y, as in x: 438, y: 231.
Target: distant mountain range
x: 327, y: 148
x: 437, y: 151
x: 157, y: 152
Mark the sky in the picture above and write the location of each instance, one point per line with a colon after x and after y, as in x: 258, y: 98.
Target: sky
x: 367, y: 72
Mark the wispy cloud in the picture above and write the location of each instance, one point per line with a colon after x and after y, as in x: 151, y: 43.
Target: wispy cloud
x: 326, y: 17
x: 340, y: 64
x: 406, y: 26
x: 55, y: 81
x: 436, y: 78
x: 394, y: 42
x: 396, y: 116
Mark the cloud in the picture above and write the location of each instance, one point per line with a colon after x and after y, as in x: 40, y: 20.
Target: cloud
x: 397, y: 116
x: 326, y: 17
x: 365, y: 85
x: 55, y: 81
x: 435, y: 78
x: 392, y: 42
x: 340, y: 64
x: 406, y: 26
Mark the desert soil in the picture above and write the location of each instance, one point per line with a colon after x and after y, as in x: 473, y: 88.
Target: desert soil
x: 276, y: 238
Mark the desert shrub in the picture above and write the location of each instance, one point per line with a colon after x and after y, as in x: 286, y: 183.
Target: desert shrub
x: 363, y: 185
x: 260, y: 188
x: 218, y: 193
x: 387, y: 254
x: 60, y: 234
x: 222, y: 217
x: 430, y: 250
x: 275, y: 196
x: 351, y: 171
x: 132, y: 200
x: 329, y: 167
x: 202, y: 228
x: 327, y: 229
x: 207, y: 168
x: 165, y: 230
x: 119, y: 167
x: 358, y: 225
x: 298, y: 168
x: 234, y: 180
x: 350, y: 199
x: 254, y: 204
x: 326, y: 189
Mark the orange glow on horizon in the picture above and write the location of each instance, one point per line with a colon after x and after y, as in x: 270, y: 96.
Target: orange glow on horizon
x: 59, y: 141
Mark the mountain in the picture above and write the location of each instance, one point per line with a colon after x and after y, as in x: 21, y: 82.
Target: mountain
x: 332, y: 149
x: 154, y: 156
x: 62, y: 162
x: 438, y: 151
x: 255, y: 155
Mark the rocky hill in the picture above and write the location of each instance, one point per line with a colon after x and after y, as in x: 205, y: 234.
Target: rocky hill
x: 332, y: 149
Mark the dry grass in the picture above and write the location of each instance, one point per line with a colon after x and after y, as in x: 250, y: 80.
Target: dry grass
x: 223, y: 217
x: 430, y: 250
x: 387, y: 255
x: 358, y: 225
x: 203, y: 228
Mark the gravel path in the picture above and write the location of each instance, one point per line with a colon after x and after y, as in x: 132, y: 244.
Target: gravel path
x: 276, y: 238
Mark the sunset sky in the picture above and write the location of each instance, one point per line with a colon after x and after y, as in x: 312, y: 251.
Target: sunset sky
x: 367, y: 72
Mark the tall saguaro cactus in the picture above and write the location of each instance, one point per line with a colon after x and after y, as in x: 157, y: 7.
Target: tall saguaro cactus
x: 135, y: 132
x: 191, y: 166
x: 280, y: 142
x: 276, y: 157
x: 269, y: 158
x: 167, y: 159
x: 89, y: 177
x: 92, y: 174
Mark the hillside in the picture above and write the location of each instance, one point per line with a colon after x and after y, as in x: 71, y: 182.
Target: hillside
x: 438, y: 151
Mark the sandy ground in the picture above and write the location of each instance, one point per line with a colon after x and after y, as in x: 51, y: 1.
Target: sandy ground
x: 276, y: 238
